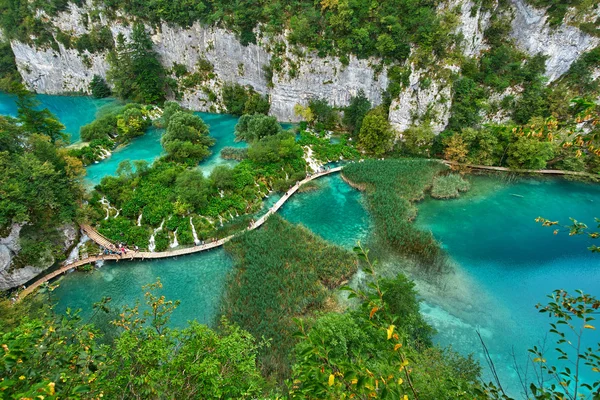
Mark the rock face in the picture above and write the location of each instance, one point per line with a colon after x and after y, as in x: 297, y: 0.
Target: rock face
x: 562, y: 45
x: 303, y: 77
x: 425, y: 100
x: 9, y: 249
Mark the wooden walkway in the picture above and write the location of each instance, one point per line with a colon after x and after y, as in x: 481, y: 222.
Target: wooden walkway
x: 99, y: 239
x: 523, y: 171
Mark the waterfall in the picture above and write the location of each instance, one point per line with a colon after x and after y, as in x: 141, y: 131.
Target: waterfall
x: 196, y: 240
x: 74, y: 254
x: 221, y: 220
x: 151, y: 242
x: 139, y: 221
x: 175, y: 242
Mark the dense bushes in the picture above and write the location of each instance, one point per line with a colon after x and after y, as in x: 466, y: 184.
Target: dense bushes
x: 9, y: 75
x: 135, y: 69
x: 119, y: 124
x: 99, y: 88
x: 449, y: 186
x: 297, y: 269
x: 239, y: 100
x: 186, y: 139
x: 325, y: 151
x: 255, y: 127
x: 391, y: 186
x: 39, y: 183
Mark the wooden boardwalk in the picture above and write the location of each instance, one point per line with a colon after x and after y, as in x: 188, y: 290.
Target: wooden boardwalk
x: 523, y: 171
x: 95, y: 236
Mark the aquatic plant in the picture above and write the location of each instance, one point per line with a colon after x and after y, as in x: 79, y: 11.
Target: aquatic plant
x: 449, y: 186
x: 392, y: 186
x: 281, y: 271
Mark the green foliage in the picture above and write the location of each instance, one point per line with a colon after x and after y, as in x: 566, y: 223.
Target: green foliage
x: 355, y: 112
x: 371, y: 352
x: 135, y: 69
x: 376, y: 134
x: 99, y: 88
x: 52, y: 356
x: 324, y: 117
x: 449, y: 186
x: 530, y: 152
x: 391, y: 186
x: 119, y: 124
x: 255, y: 127
x: 186, y: 139
x: 9, y: 75
x: 234, y: 153
x: 98, y: 40
x: 38, y: 180
x: 297, y: 269
x: 325, y: 151
x: 417, y: 141
x: 467, y: 98
x: 38, y: 121
x: 241, y: 100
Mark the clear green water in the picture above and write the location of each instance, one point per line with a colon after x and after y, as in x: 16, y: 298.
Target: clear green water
x: 335, y: 212
x: 148, y: 148
x: 72, y: 111
x: 507, y: 264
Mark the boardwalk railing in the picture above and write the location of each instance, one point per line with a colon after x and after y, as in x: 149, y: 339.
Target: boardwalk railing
x: 99, y: 239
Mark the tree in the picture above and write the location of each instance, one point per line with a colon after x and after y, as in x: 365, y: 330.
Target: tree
x: 417, y: 140
x: 325, y: 117
x: 191, y: 187
x: 375, y: 133
x: 99, y: 88
x: 530, y: 152
x: 255, y: 127
x: 186, y: 139
x: 135, y: 68
x: 38, y: 121
x: 355, y: 112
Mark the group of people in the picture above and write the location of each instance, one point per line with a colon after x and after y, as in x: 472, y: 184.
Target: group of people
x: 121, y: 249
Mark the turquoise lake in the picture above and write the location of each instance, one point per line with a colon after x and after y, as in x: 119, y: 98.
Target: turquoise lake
x: 505, y: 263
x: 72, y: 111
x: 148, y: 147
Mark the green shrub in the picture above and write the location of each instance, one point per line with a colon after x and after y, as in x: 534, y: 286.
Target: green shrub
x: 99, y: 88
x: 449, y: 186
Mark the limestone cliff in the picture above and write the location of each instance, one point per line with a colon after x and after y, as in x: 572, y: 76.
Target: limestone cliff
x: 11, y: 277
x: 302, y: 77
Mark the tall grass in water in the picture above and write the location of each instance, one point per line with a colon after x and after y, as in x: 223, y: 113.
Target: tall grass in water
x: 282, y: 271
x: 391, y: 187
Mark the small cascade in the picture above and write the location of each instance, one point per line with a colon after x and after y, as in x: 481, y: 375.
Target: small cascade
x: 139, y: 220
x: 108, y: 207
x: 221, y: 220
x: 117, y: 214
x: 175, y: 242
x: 74, y: 254
x: 151, y: 242
x: 221, y: 193
x: 194, y: 234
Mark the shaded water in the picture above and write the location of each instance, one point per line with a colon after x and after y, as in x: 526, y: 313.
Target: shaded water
x: 72, y: 111
x: 507, y: 264
x: 197, y: 280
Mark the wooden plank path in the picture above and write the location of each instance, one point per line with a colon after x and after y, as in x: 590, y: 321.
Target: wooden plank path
x: 99, y: 239
x: 523, y: 171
